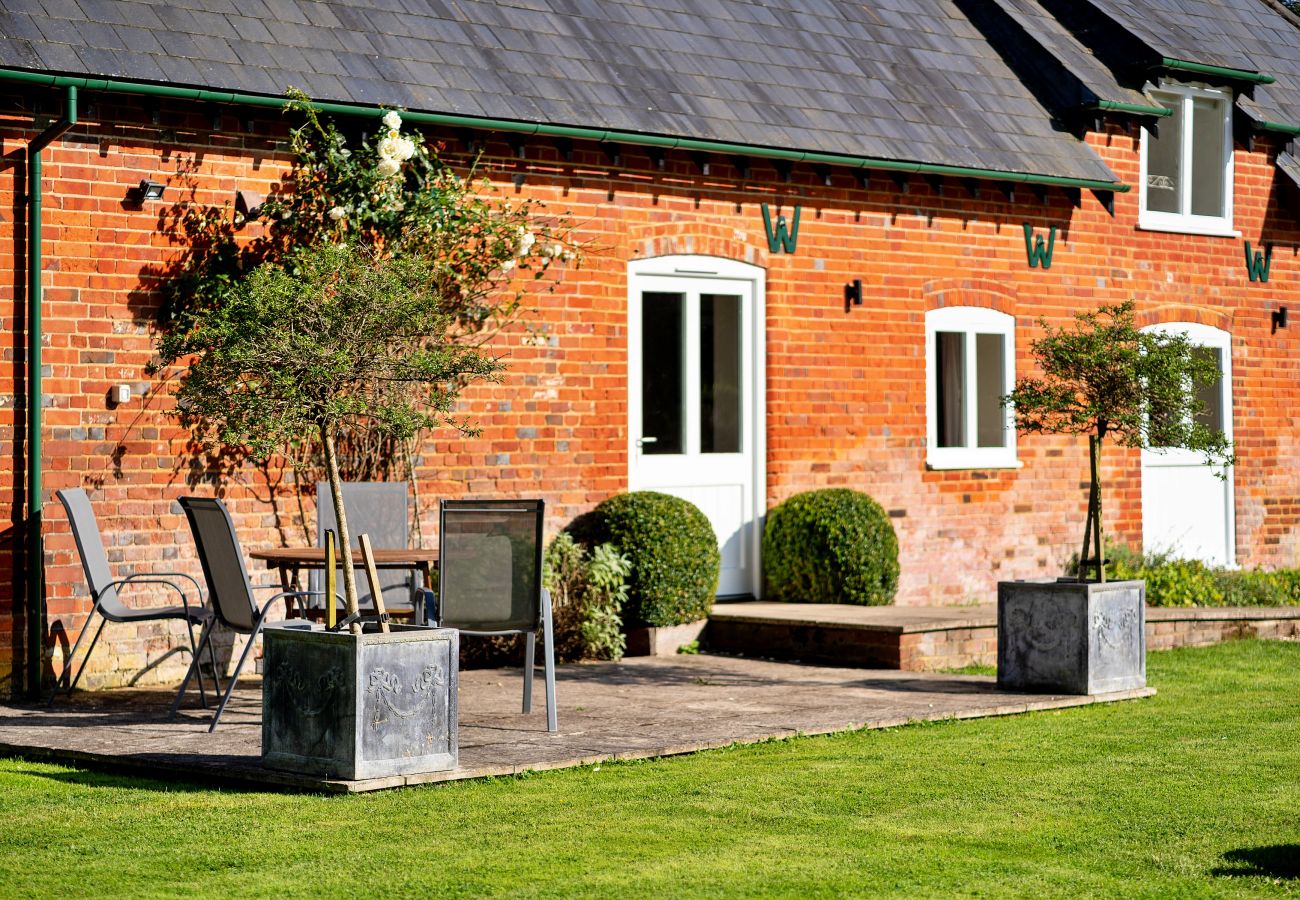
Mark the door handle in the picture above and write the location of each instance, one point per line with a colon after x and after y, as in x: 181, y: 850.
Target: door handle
x: 641, y: 442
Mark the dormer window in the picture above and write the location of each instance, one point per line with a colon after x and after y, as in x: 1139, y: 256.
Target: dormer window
x: 1186, y: 181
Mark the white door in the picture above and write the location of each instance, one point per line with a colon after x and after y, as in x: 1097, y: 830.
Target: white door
x: 695, y: 411
x: 1187, y: 509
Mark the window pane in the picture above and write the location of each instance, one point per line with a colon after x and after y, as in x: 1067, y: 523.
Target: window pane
x: 720, y: 374
x: 663, y: 338
x: 1207, y: 157
x: 950, y: 400
x: 1164, y: 158
x: 1211, y: 395
x: 990, y: 418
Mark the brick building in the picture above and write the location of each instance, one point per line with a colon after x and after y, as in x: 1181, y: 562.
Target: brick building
x: 742, y: 172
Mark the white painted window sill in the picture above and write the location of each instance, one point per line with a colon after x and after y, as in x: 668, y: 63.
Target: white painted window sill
x: 955, y: 462
x: 1204, y: 229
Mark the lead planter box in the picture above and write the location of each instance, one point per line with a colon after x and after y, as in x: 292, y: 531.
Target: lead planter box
x: 360, y: 706
x: 1071, y: 637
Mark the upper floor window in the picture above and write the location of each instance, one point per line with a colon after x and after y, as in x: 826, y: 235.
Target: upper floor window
x: 970, y: 366
x: 1186, y: 182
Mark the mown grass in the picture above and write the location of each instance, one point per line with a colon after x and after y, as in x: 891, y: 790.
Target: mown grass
x: 1195, y: 792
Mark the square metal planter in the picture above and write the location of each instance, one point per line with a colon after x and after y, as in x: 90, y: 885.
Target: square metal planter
x: 360, y: 706
x: 1072, y: 638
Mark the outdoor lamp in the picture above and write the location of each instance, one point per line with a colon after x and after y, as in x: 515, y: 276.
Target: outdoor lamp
x: 150, y: 190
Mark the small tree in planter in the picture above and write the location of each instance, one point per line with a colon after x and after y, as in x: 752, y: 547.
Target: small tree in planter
x: 1106, y: 379
x: 361, y: 316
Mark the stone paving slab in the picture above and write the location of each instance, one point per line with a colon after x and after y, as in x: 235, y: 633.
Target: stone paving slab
x: 636, y: 709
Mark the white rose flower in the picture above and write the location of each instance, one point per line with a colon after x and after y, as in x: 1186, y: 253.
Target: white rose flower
x: 392, y: 120
x: 405, y: 149
x: 526, y: 241
x: 388, y: 148
x: 337, y: 213
x: 507, y: 266
x: 553, y: 250
x: 388, y: 167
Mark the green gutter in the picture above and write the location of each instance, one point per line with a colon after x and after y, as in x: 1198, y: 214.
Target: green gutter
x: 564, y: 131
x: 1280, y: 127
x: 1182, y: 65
x: 1135, y: 108
x: 35, y: 301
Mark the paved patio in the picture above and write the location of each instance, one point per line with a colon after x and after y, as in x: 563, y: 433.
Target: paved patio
x: 635, y: 709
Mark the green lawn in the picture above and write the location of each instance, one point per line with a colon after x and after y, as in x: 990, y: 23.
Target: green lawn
x: 1194, y: 792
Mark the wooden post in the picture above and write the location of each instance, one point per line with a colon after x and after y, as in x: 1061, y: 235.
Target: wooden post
x: 372, y: 574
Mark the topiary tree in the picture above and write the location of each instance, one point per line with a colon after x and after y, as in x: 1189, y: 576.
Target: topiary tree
x: 673, y: 551
x: 828, y: 546
x: 1105, y: 378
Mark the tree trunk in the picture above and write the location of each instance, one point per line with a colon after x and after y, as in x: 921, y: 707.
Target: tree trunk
x: 1094, y: 451
x: 341, y: 517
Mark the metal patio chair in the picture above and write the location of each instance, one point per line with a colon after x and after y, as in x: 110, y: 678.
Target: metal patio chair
x: 490, y: 579
x: 229, y: 590
x: 104, y: 591
x: 380, y: 509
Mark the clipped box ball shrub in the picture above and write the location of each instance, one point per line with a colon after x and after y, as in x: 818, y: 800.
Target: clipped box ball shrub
x: 673, y: 550
x: 831, y: 546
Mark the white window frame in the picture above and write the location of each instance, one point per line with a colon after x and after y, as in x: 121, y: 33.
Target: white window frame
x: 1187, y: 223
x: 970, y: 321
x: 1200, y: 336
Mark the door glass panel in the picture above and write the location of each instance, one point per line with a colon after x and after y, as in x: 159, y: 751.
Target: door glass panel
x: 1207, y: 157
x: 720, y: 378
x: 1164, y: 156
x: 990, y: 369
x: 1211, y: 395
x: 663, y: 341
x: 950, y: 399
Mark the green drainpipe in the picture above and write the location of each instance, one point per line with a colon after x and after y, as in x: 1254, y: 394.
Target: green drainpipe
x: 35, y: 298
x: 561, y: 131
x: 1182, y: 65
x: 1279, y: 127
x: 1136, y: 109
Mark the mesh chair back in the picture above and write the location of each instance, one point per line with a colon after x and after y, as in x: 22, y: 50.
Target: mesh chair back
x: 222, y: 561
x: 490, y: 564
x: 90, y: 547
x: 376, y: 508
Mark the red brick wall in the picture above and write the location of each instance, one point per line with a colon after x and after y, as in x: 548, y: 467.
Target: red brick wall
x: 846, y: 391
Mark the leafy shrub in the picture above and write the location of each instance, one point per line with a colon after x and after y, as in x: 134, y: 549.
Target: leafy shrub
x: 1181, y: 582
x: 588, y: 591
x: 673, y: 551
x: 1187, y: 582
x: 831, y: 546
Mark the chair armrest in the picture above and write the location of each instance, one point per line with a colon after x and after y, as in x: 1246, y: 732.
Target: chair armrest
x: 147, y: 578
x: 198, y: 588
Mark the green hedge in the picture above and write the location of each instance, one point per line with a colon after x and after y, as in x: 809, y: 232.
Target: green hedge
x: 673, y: 551
x: 831, y: 546
x: 1188, y: 582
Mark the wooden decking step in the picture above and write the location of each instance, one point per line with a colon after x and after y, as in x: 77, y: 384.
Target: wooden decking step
x: 932, y: 638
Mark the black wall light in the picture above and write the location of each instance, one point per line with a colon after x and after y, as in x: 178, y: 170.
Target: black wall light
x: 853, y: 294
x: 1279, y: 318
x: 147, y: 190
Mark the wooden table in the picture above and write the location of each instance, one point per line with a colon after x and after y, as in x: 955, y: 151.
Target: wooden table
x: 292, y: 560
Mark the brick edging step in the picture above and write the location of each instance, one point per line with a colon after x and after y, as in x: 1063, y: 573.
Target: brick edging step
x: 929, y: 638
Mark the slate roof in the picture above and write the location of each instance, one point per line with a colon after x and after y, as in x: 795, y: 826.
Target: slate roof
x: 895, y: 79
x: 1094, y: 76
x: 1289, y: 164
x: 1238, y: 34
